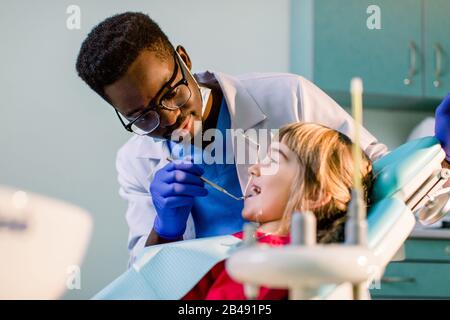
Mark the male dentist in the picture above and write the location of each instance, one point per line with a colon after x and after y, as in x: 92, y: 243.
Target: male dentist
x: 130, y: 62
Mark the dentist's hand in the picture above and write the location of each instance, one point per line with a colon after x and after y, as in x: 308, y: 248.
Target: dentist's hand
x: 173, y: 191
x: 442, y: 125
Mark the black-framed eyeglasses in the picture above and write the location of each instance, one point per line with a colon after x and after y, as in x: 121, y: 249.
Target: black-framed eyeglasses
x: 175, y: 97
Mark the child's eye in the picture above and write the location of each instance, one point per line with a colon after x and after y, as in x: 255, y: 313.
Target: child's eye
x: 266, y: 160
x: 269, y: 159
x: 274, y: 157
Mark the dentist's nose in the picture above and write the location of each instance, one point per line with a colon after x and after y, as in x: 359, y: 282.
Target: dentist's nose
x: 254, y: 170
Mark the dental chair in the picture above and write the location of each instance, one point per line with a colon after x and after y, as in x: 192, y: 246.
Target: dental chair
x: 406, y: 181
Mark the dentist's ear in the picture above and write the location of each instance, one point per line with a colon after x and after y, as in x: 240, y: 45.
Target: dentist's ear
x: 184, y: 55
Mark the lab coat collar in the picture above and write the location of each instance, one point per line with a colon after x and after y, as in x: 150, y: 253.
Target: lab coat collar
x: 248, y: 114
x: 244, y: 117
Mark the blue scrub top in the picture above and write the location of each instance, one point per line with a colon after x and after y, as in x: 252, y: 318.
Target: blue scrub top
x: 217, y: 213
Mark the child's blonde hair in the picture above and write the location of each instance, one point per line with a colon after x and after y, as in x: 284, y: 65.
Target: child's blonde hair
x: 326, y: 172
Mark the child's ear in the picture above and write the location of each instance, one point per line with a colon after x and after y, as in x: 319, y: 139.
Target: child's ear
x: 322, y: 200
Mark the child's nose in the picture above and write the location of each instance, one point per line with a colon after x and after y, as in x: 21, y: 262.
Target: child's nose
x: 254, y: 170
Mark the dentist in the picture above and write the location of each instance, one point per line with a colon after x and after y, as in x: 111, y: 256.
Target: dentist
x: 131, y: 64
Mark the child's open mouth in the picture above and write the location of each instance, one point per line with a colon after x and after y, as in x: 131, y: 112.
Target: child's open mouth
x: 253, y: 191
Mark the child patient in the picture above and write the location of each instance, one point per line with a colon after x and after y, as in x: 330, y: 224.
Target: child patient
x: 309, y: 167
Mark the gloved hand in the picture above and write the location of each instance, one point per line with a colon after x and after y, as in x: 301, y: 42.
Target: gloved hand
x: 442, y: 125
x: 173, y: 191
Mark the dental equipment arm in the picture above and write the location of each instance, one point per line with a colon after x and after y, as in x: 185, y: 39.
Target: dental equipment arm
x: 303, y: 267
x: 356, y: 226
x: 303, y: 228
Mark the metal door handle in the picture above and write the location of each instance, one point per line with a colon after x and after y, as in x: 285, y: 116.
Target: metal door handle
x: 447, y: 250
x: 398, y: 279
x: 438, y: 65
x: 412, y: 63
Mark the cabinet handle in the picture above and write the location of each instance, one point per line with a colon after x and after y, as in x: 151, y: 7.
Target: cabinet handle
x: 447, y: 250
x: 398, y: 279
x: 412, y: 63
x: 438, y: 65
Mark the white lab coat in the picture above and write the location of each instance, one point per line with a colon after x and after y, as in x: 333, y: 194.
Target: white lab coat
x: 254, y: 101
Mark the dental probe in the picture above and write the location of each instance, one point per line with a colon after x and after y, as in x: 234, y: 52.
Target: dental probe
x: 215, y: 186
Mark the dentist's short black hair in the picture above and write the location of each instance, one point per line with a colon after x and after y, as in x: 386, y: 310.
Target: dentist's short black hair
x: 112, y: 46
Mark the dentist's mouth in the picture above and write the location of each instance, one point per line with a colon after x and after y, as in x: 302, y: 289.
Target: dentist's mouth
x: 253, y: 191
x: 184, y: 123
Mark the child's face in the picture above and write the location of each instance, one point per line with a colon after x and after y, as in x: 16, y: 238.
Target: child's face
x: 270, y: 184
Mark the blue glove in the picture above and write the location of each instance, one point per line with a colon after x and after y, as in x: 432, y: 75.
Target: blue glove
x: 173, y: 191
x: 442, y: 125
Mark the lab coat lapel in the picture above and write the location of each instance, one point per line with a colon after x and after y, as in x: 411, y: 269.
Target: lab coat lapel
x: 244, y: 111
x: 245, y: 114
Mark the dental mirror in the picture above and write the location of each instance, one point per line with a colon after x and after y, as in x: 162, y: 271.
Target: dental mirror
x: 434, y: 210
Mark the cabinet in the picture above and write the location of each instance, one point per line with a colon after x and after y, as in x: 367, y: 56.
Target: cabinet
x: 425, y: 272
x: 437, y: 47
x: 331, y: 43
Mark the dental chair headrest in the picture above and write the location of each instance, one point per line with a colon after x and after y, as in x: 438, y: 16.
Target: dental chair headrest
x: 407, y: 164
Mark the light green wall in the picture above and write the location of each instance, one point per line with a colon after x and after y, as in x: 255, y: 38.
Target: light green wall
x: 392, y: 127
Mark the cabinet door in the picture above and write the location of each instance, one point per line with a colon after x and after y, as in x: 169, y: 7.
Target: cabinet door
x: 414, y: 280
x: 437, y: 47
x: 345, y: 47
x: 428, y: 250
